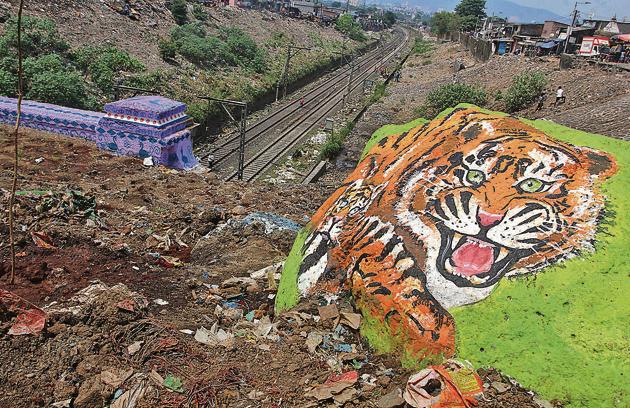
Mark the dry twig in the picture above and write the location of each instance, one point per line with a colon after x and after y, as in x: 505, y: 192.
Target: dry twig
x: 15, y: 141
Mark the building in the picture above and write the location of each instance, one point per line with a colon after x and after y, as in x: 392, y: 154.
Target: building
x: 528, y: 30
x: 610, y: 27
x: 305, y: 7
x: 553, y: 29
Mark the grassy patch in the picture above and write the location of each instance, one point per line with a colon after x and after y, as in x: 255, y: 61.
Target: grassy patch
x: 378, y: 93
x: 421, y: 46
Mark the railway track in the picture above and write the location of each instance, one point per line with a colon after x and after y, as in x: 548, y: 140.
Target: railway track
x: 292, y: 120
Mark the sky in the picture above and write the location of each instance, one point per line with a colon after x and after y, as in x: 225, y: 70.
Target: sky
x: 600, y: 8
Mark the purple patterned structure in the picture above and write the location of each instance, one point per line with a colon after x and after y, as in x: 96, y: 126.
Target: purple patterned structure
x: 144, y: 126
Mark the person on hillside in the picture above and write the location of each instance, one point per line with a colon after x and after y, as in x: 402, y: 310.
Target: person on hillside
x: 560, y: 98
x: 541, y: 100
x: 301, y: 102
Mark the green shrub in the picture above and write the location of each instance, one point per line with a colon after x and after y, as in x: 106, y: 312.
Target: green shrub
x: 199, y: 50
x: 198, y: 111
x: 179, y: 10
x: 62, y: 88
x: 45, y: 63
x: 39, y: 36
x: 168, y: 49
x: 334, y: 143
x: 200, y: 12
x: 524, y: 90
x: 379, y: 92
x: 239, y: 46
x: 240, y: 49
x: 151, y: 80
x: 280, y: 39
x: 183, y: 31
x: 8, y: 83
x: 232, y: 47
x: 450, y: 95
x: 104, y: 63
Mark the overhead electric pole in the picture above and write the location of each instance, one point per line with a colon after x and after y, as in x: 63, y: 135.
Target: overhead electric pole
x: 292, y: 51
x: 242, y: 127
x: 573, y: 19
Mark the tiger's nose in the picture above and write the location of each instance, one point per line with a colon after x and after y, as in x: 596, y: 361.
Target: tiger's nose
x: 487, y: 219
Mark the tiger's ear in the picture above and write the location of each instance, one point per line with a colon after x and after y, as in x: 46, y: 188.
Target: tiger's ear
x: 600, y: 164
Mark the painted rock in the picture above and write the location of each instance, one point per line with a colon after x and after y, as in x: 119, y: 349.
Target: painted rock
x: 434, y: 218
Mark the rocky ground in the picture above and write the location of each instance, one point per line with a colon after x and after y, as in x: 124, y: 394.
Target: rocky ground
x: 159, y: 288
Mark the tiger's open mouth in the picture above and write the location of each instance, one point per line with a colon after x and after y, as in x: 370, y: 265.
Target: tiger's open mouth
x: 474, y: 261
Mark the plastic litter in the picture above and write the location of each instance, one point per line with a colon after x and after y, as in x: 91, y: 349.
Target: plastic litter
x: 272, y: 222
x: 214, y: 336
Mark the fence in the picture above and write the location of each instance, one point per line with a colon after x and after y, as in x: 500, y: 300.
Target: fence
x: 479, y: 48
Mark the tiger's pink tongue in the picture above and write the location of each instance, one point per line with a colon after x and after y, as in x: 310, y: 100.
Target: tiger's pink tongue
x: 473, y: 258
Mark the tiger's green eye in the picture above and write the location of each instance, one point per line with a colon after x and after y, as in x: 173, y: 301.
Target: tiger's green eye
x: 475, y: 177
x: 531, y: 185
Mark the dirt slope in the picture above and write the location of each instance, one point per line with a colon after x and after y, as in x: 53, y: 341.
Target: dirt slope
x: 98, y: 22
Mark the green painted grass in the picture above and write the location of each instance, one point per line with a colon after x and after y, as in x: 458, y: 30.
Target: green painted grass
x: 389, y: 130
x: 288, y: 295
x: 565, y: 332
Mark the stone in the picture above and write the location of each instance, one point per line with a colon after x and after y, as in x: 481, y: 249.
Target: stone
x: 239, y: 210
x: 328, y: 312
x: 391, y: 400
x: 500, y: 387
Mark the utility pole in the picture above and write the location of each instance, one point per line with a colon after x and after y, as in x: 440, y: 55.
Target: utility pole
x: 242, y: 127
x: 573, y: 19
x: 292, y: 51
x: 347, y: 95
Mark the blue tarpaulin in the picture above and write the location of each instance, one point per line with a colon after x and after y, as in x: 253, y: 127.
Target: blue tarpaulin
x: 548, y: 44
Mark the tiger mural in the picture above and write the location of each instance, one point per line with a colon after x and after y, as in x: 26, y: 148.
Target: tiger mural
x: 434, y: 218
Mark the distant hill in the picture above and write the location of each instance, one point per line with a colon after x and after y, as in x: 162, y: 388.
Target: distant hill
x: 505, y: 8
x: 521, y: 14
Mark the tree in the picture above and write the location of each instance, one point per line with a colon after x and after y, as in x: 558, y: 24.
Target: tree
x: 347, y: 25
x: 389, y: 19
x: 444, y: 22
x: 470, y: 12
x: 524, y: 90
